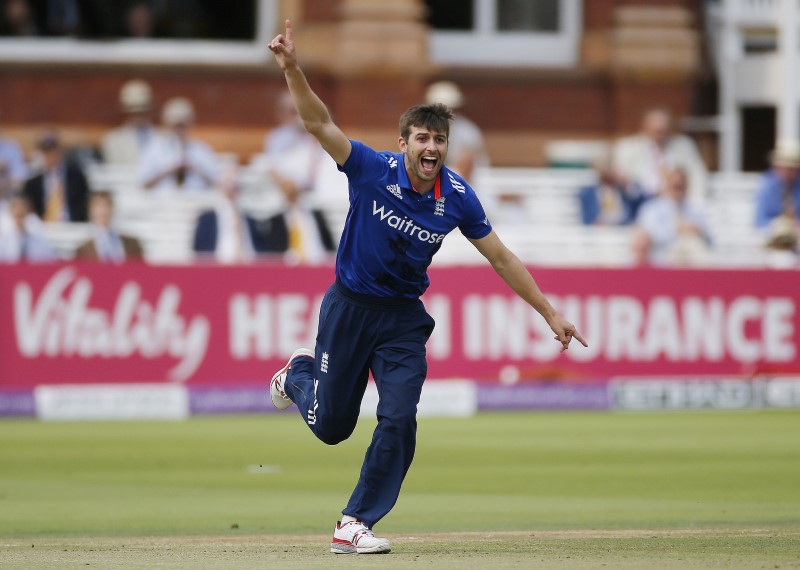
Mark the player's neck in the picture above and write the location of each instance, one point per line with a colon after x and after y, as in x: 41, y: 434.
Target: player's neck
x: 435, y: 186
x: 424, y: 189
x: 419, y: 185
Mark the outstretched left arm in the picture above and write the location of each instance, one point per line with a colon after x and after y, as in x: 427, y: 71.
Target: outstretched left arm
x: 513, y: 272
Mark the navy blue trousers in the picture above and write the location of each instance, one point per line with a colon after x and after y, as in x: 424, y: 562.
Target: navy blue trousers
x: 356, y: 335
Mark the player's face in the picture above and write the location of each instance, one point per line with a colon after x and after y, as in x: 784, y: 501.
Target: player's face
x: 425, y: 152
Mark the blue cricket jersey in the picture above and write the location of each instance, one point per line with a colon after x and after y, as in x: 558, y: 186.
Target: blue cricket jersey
x: 392, y: 232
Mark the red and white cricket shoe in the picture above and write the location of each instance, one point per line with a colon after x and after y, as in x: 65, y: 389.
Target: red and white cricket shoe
x: 276, y: 392
x: 354, y: 537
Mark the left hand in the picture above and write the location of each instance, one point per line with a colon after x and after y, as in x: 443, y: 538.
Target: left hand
x: 565, y: 332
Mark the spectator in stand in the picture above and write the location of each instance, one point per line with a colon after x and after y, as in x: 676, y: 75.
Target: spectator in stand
x: 12, y: 162
x: 60, y: 193
x: 293, y: 161
x: 612, y: 200
x: 467, y: 150
x: 125, y: 144
x: 18, y: 19
x: 293, y: 154
x: 22, y: 241
x: 669, y: 230
x: 176, y: 161
x: 63, y: 18
x: 778, y: 198
x: 289, y: 132
x: 7, y: 189
x: 107, y: 245
x: 226, y: 232
x: 467, y: 154
x: 649, y: 157
x: 302, y: 234
x: 140, y: 21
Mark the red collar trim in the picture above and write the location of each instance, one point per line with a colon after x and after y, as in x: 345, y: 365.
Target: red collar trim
x: 437, y: 186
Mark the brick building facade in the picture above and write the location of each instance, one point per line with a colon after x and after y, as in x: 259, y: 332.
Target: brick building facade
x: 369, y: 60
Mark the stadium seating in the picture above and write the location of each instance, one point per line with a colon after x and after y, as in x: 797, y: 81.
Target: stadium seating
x: 535, y: 211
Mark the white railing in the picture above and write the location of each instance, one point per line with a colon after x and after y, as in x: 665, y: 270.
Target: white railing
x: 537, y: 214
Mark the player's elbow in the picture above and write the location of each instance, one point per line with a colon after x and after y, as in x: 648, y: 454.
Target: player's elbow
x: 502, y: 261
x: 317, y: 125
x: 314, y: 127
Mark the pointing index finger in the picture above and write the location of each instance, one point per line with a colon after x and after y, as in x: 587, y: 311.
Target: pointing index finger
x: 289, y: 33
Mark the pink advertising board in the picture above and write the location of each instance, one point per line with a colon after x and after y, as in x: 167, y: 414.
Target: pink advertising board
x: 216, y: 325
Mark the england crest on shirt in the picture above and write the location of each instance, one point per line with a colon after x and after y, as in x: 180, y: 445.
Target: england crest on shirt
x: 439, y: 208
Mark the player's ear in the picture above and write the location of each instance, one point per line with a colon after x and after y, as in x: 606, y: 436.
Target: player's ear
x: 402, y: 144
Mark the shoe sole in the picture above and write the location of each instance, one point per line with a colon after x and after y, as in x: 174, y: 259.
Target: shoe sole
x: 343, y: 549
x: 274, y: 394
x: 350, y: 549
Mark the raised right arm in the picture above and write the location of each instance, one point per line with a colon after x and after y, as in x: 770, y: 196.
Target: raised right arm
x: 313, y: 112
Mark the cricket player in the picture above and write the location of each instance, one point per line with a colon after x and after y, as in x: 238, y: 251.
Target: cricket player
x: 402, y: 205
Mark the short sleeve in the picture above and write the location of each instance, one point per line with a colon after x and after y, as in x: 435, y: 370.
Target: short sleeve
x: 475, y: 224
x: 363, y: 163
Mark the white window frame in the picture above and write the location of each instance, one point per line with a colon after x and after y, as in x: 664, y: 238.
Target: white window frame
x: 485, y: 45
x: 155, y: 51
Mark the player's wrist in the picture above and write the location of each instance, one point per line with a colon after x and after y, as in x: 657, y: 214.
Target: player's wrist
x: 290, y: 65
x: 549, y: 314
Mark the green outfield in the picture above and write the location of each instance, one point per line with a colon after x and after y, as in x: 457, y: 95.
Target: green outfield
x: 704, y: 489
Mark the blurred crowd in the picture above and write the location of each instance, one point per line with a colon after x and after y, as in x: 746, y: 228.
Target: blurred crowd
x: 657, y: 182
x: 654, y: 181
x: 100, y: 19
x: 167, y: 160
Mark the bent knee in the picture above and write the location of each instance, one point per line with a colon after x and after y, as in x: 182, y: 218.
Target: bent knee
x: 332, y: 431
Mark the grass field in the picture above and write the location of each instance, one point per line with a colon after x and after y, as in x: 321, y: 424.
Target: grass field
x: 564, y: 490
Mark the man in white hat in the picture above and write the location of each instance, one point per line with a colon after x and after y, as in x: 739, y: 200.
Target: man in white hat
x: 778, y: 197
x: 124, y: 144
x: 467, y: 152
x: 176, y: 161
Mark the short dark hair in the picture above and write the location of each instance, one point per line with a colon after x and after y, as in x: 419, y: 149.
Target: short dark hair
x: 433, y: 116
x: 48, y: 141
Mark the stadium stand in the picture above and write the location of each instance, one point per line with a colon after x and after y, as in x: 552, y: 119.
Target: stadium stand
x: 546, y: 199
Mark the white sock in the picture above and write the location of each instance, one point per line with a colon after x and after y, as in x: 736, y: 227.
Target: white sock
x: 347, y: 518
